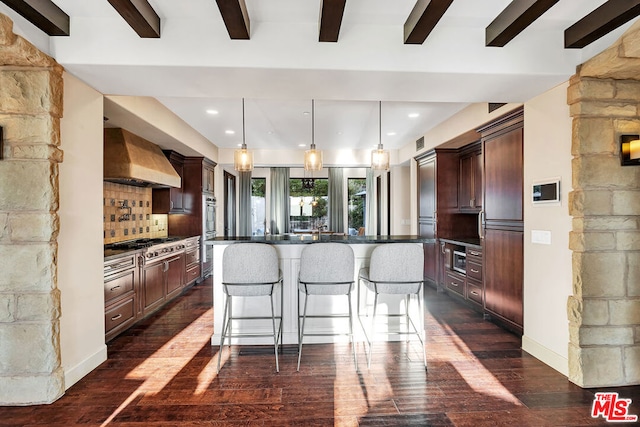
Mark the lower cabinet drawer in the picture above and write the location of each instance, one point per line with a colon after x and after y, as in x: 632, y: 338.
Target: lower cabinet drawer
x: 474, y: 292
x: 193, y: 273
x: 474, y: 271
x: 118, y: 284
x: 455, y: 283
x: 119, y: 314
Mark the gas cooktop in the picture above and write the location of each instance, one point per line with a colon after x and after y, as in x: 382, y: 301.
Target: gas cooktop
x: 140, y: 243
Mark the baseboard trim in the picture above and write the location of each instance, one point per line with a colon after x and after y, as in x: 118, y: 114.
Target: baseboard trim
x: 76, y: 373
x: 546, y: 356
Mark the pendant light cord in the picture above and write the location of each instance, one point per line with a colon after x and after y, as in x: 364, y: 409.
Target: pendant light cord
x: 379, y: 125
x: 313, y: 125
x: 244, y: 144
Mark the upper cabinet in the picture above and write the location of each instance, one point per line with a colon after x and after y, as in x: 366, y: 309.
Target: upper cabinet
x: 470, y: 179
x: 171, y: 200
x: 208, y: 168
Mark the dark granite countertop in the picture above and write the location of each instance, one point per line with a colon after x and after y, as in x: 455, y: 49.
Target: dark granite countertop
x: 464, y: 241
x: 287, y: 239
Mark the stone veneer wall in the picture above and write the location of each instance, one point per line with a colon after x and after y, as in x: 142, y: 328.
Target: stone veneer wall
x: 604, y: 311
x: 30, y: 110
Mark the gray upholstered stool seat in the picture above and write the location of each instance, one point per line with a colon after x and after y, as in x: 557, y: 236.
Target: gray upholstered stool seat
x: 325, y: 269
x: 395, y: 268
x: 250, y: 270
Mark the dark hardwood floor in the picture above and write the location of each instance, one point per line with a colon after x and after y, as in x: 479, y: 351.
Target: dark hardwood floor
x: 162, y: 372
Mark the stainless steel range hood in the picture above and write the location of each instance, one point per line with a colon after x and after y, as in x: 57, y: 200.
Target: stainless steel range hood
x: 132, y: 160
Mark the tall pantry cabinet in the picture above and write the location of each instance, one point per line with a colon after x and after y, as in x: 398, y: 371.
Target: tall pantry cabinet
x: 438, y: 199
x: 502, y: 219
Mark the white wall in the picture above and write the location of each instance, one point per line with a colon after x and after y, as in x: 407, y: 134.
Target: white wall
x: 80, y: 250
x: 547, y: 268
x: 401, y: 197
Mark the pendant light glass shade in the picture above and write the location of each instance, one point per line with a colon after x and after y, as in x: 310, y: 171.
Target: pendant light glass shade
x: 243, y: 158
x: 380, y: 156
x: 312, y: 157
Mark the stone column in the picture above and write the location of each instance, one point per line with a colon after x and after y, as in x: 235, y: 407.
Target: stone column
x: 604, y: 311
x: 30, y: 111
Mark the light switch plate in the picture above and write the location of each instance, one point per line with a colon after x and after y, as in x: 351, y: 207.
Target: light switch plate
x: 542, y: 237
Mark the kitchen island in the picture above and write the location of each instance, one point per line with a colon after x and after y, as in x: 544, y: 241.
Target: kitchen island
x: 289, y: 248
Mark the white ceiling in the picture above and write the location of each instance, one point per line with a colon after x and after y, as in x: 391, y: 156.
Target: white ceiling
x: 195, y: 67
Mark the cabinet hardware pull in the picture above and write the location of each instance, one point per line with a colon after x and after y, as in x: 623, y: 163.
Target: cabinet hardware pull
x: 115, y: 287
x: 120, y: 265
x: 473, y: 270
x: 116, y: 317
x: 475, y: 293
x: 474, y: 253
x: 454, y: 284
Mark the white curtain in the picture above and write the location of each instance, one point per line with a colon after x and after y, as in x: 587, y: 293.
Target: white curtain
x: 279, y: 189
x: 244, y: 203
x: 370, y: 220
x: 336, y: 200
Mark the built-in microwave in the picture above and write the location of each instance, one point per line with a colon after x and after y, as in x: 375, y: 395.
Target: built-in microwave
x: 459, y: 262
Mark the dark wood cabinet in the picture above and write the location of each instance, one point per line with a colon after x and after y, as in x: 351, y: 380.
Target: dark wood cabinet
x: 503, y: 226
x: 192, y: 260
x: 121, y: 300
x: 438, y: 201
x: 152, y: 286
x: 470, y: 179
x: 208, y: 171
x: 175, y: 275
x: 161, y: 281
x: 171, y: 200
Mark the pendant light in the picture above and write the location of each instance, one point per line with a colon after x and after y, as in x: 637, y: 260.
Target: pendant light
x: 379, y: 156
x: 312, y: 157
x: 243, y: 158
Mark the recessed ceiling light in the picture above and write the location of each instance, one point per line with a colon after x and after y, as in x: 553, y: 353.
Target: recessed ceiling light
x: 390, y: 133
x: 230, y: 132
x: 239, y: 144
x: 302, y: 145
x: 306, y: 113
x: 212, y: 112
x: 339, y: 133
x: 414, y: 115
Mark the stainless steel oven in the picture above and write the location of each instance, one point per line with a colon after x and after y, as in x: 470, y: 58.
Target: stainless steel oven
x: 208, y: 232
x: 459, y: 262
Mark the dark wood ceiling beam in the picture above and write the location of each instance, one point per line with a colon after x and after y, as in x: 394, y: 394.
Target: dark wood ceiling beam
x: 44, y: 14
x: 601, y: 21
x: 140, y: 16
x: 236, y: 19
x: 423, y: 19
x: 331, y: 13
x: 517, y: 16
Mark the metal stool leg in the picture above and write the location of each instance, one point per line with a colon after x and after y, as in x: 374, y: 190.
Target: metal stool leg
x: 275, y: 334
x: 373, y: 329
x: 301, y: 332
x: 223, y: 334
x: 353, y: 341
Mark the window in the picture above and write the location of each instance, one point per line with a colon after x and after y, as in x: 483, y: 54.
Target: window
x: 308, y: 204
x: 357, y: 194
x: 258, y: 206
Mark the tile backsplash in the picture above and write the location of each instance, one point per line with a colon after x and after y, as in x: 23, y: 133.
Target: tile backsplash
x: 127, y: 214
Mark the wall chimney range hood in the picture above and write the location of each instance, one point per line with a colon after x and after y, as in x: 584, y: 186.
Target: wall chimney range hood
x: 132, y: 160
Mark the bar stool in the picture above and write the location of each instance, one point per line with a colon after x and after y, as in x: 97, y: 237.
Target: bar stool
x: 395, y: 268
x: 250, y: 270
x: 325, y: 269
